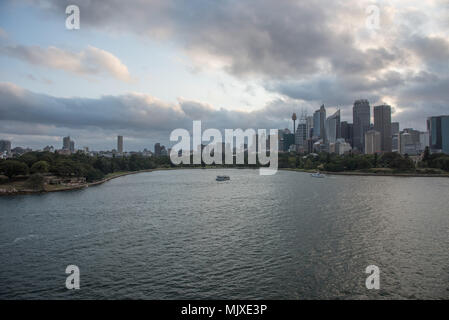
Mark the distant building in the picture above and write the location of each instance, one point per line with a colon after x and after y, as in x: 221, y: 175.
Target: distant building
x: 342, y: 146
x: 346, y: 131
x: 5, y: 146
x: 309, y: 124
x: 409, y: 142
x: 120, y: 144
x: 372, y: 142
x: 424, y: 138
x: 332, y: 127
x: 382, y: 124
x: 66, y: 143
x: 301, y: 135
x: 395, y: 136
x: 438, y: 128
x: 287, y: 140
x: 361, y: 115
x: 157, y: 150
x: 319, y: 120
x: 49, y: 149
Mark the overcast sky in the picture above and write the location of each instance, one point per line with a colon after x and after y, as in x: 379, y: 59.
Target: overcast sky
x: 143, y: 68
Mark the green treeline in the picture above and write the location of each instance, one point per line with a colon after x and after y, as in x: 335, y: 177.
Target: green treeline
x: 94, y: 168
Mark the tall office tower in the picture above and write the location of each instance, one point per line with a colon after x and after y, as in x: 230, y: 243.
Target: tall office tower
x: 333, y: 129
x: 361, y: 116
x: 316, y: 124
x: 409, y: 141
x: 157, y: 149
x: 346, y: 131
x: 395, y: 136
x: 72, y: 146
x: 372, y: 142
x: 438, y: 128
x: 319, y: 120
x: 5, y: 145
x: 382, y: 123
x: 120, y: 144
x: 66, y: 143
x: 309, y: 123
x: 301, y: 135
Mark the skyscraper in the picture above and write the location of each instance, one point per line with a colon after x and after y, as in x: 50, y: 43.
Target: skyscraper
x: 382, y: 124
x: 66, y: 143
x: 333, y: 129
x: 438, y: 128
x: 72, y: 146
x: 395, y: 136
x: 157, y: 149
x: 346, y: 131
x: 372, y: 142
x: 361, y: 122
x: 5, y: 145
x: 120, y: 144
x: 309, y: 123
x: 301, y: 135
x: 319, y: 119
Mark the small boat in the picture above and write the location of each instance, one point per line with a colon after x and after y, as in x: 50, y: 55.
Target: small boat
x: 223, y: 178
x: 317, y: 175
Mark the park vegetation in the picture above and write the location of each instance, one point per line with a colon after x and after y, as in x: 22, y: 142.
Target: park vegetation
x: 33, y: 166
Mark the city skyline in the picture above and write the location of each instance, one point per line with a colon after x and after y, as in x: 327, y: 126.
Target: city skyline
x: 145, y: 75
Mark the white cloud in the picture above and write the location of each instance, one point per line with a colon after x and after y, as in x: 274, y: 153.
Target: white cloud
x: 89, y: 62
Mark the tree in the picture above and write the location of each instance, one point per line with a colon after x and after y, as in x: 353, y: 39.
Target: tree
x: 36, y: 182
x: 426, y: 154
x: 40, y: 167
x: 93, y: 174
x: 11, y: 168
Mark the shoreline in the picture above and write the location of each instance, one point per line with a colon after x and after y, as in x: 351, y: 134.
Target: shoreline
x: 372, y: 174
x: 343, y: 173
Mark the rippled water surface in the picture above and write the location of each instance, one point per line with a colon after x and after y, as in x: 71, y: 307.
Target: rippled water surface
x: 181, y: 235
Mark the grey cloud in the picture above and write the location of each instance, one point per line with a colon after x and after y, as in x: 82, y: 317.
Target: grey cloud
x: 91, y: 61
x: 137, y: 116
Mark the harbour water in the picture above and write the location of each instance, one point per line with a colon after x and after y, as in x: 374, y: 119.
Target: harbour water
x: 180, y: 234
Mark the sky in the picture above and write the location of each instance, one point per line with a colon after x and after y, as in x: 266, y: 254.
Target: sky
x: 144, y: 68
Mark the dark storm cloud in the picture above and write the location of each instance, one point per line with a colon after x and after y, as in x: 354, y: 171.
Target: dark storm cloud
x: 137, y: 115
x: 256, y: 37
x: 310, y: 51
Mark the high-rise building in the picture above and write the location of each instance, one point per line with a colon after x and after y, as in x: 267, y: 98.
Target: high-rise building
x: 66, y: 143
x: 346, y: 131
x: 382, y: 124
x: 120, y: 144
x: 72, y: 146
x: 301, y: 135
x: 409, y: 142
x: 424, y: 138
x: 5, y: 146
x: 319, y: 120
x: 361, y: 115
x: 157, y: 149
x: 372, y: 142
x: 438, y: 128
x: 333, y: 129
x: 395, y: 136
x: 309, y: 123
